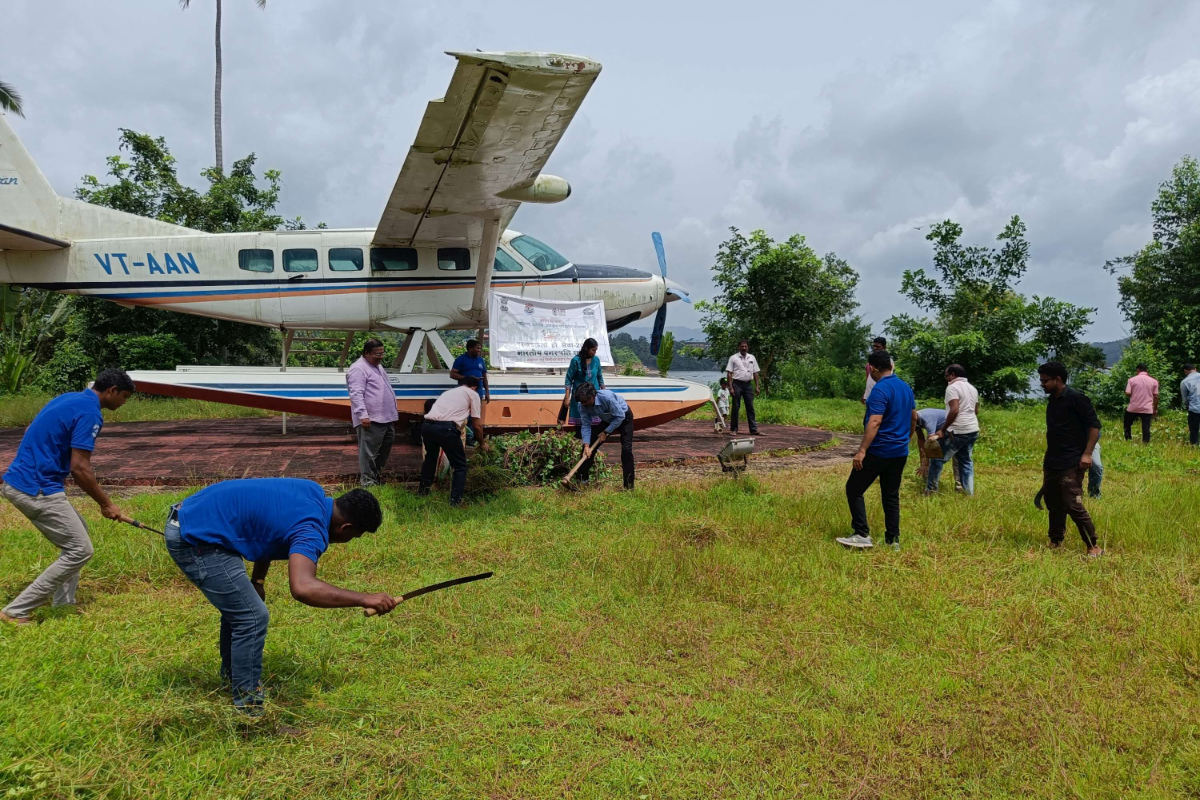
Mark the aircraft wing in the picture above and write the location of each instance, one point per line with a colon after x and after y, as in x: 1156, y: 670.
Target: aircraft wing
x: 492, y: 133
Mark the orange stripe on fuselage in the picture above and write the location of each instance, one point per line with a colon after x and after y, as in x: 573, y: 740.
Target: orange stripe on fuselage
x: 268, y: 295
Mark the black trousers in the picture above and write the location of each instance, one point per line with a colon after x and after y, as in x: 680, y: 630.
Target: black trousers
x: 1194, y: 427
x: 1130, y: 417
x: 437, y: 436
x: 743, y: 390
x: 626, y: 432
x: 1062, y: 489
x: 890, y: 472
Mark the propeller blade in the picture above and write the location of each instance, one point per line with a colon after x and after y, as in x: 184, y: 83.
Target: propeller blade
x: 660, y: 323
x: 660, y: 319
x: 662, y: 256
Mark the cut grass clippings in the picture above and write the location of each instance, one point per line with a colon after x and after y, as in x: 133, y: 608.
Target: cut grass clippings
x: 696, y: 639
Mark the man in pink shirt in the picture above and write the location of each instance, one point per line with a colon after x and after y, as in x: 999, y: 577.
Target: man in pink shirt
x: 1142, y: 391
x: 372, y: 411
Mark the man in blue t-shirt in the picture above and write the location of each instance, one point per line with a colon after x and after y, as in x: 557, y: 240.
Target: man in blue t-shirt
x: 889, y: 423
x: 58, y: 442
x: 210, y: 535
x: 471, y: 364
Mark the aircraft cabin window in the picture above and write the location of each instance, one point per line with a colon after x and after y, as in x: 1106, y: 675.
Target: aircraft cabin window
x: 300, y: 260
x: 505, y: 263
x: 542, y: 256
x: 393, y: 259
x: 455, y: 258
x: 345, y: 259
x: 256, y: 260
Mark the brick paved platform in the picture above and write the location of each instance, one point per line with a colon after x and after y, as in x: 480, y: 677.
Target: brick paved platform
x: 189, y: 452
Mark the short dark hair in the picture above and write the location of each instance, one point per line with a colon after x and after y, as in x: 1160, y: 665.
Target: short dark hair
x: 743, y: 342
x: 1189, y: 365
x: 371, y: 344
x: 469, y: 380
x: 108, y: 378
x: 361, y: 509
x: 471, y: 343
x: 724, y: 381
x: 1142, y: 368
x: 957, y: 370
x: 1053, y: 369
x: 880, y: 359
x: 878, y: 340
x: 585, y: 393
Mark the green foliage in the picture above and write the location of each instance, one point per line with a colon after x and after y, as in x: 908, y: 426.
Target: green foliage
x: 844, y: 343
x: 689, y: 358
x: 1160, y: 292
x: 779, y: 296
x: 811, y: 378
x: 162, y: 351
x: 10, y: 99
x: 979, y: 320
x: 30, y: 320
x: 666, y: 353
x: 539, y: 459
x: 1107, y: 389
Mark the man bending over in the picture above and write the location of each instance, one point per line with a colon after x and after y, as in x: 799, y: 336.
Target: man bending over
x: 210, y: 535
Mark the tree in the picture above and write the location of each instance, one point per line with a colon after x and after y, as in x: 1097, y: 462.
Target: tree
x: 979, y: 320
x: 778, y: 296
x: 10, y: 99
x: 844, y: 343
x: 98, y: 333
x: 1160, y: 294
x: 666, y: 354
x: 220, y: 165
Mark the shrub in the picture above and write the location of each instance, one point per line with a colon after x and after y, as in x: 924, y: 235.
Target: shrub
x: 157, y: 351
x: 805, y: 379
x: 1107, y: 389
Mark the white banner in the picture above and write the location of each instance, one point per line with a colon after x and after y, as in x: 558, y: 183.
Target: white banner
x: 528, y: 332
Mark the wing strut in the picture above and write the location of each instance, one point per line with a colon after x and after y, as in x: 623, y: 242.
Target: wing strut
x: 487, y: 260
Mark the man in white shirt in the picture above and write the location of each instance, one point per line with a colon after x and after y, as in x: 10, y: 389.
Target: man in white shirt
x: 442, y: 430
x: 742, y: 371
x: 960, y: 430
x: 879, y: 343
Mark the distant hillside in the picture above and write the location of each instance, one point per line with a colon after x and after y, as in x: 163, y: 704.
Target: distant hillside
x: 1112, y: 350
x: 640, y: 347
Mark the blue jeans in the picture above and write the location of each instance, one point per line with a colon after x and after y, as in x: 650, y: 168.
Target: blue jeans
x: 1095, y: 474
x: 220, y: 575
x: 960, y: 445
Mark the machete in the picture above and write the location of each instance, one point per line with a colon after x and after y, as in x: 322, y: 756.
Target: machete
x: 433, y: 587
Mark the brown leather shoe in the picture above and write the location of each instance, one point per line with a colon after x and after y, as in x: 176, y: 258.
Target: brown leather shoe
x: 15, y: 620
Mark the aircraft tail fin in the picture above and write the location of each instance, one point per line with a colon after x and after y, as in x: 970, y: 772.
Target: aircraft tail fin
x: 29, y: 216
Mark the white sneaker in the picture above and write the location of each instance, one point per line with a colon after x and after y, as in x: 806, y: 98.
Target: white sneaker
x: 860, y: 542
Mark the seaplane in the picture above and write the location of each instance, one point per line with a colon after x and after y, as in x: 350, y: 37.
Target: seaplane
x: 441, y: 246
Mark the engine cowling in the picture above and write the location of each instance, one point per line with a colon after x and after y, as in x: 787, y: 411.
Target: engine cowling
x: 544, y: 189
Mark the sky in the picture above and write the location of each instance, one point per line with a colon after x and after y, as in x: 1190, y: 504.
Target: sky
x: 856, y: 124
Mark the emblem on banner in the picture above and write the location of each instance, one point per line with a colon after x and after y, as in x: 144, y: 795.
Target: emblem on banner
x: 528, y: 308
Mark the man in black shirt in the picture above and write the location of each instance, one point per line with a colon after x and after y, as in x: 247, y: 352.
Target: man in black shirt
x: 1072, y: 430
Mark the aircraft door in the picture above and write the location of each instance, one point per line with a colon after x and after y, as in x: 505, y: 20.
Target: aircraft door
x: 301, y: 293
x: 556, y: 276
x: 345, y: 283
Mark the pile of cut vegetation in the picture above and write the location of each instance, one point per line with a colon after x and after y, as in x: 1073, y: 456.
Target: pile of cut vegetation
x: 529, y: 459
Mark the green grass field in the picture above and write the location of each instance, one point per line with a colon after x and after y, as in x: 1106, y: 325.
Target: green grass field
x: 695, y: 639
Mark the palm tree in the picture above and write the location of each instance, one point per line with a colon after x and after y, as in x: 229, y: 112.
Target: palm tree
x: 217, y: 90
x: 10, y: 99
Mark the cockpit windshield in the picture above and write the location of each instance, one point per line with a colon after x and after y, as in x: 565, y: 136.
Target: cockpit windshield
x: 542, y: 256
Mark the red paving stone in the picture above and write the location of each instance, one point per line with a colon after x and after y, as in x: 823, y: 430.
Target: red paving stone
x: 189, y: 452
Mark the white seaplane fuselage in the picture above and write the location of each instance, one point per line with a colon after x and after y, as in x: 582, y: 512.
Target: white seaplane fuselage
x: 324, y: 279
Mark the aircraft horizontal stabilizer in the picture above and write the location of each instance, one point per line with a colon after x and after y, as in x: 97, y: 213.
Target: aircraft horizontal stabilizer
x: 17, y: 239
